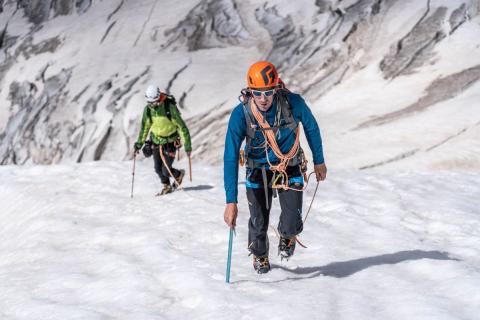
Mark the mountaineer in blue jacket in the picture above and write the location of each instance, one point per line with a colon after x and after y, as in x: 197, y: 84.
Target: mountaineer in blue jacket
x: 268, y: 118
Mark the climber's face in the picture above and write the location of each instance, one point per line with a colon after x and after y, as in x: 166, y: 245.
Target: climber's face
x: 263, y: 98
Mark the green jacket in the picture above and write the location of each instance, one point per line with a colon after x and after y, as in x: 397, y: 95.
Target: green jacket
x: 163, y: 130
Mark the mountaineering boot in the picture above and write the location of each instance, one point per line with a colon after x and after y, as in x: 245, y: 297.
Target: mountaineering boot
x: 179, y: 179
x: 167, y: 188
x: 261, y: 264
x: 286, y: 247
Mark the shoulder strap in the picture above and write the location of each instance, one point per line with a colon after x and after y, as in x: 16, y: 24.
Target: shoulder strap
x: 249, y: 121
x: 169, y: 100
x: 286, y: 109
x: 149, y: 114
x: 167, y: 110
x: 290, y: 122
x: 283, y: 109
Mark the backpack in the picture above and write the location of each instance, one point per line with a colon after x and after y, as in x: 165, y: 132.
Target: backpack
x: 168, y: 102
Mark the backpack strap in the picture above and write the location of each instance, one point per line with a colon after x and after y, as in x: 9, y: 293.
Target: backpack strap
x: 169, y: 101
x: 149, y: 114
x: 290, y: 122
x: 284, y: 119
x: 251, y: 126
x: 285, y: 109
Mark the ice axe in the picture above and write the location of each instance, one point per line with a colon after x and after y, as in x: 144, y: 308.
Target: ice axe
x: 229, y: 257
x: 190, y: 167
x: 133, y: 172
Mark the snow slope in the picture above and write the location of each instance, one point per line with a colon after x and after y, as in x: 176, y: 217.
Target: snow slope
x: 392, y: 83
x: 393, y: 232
x: 74, y: 245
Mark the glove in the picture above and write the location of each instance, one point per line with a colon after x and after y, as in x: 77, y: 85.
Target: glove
x: 147, y: 149
x: 137, y: 146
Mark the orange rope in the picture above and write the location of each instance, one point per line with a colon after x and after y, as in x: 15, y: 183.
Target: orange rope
x: 160, y: 149
x: 271, y: 142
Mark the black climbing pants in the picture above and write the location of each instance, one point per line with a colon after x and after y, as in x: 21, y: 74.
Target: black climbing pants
x: 290, y: 222
x: 160, y: 167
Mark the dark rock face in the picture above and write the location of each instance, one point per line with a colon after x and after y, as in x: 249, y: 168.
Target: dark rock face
x: 323, y: 6
x: 315, y: 60
x: 82, y: 5
x: 28, y: 49
x: 458, y: 17
x: 211, y: 24
x: 414, y: 49
x: 20, y: 141
x: 62, y: 7
x: 439, y: 90
x: 282, y: 31
x: 39, y: 11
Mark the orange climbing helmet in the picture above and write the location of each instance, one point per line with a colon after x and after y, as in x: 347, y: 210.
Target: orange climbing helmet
x: 262, y: 75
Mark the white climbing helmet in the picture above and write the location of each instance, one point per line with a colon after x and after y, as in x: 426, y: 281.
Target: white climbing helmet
x: 152, y: 94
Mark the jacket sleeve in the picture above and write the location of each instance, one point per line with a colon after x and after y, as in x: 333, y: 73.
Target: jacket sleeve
x: 303, y: 113
x: 146, y: 124
x: 182, y: 127
x: 236, y: 133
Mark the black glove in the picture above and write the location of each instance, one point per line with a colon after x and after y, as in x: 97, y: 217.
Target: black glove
x: 147, y: 149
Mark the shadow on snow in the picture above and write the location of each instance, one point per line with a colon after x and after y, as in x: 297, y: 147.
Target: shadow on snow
x: 198, y: 188
x: 347, y: 268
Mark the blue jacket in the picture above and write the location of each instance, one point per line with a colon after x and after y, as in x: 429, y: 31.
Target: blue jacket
x: 237, y: 131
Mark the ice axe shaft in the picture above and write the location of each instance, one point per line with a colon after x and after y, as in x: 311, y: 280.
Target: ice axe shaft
x: 133, y: 173
x: 190, y: 167
x: 229, y: 257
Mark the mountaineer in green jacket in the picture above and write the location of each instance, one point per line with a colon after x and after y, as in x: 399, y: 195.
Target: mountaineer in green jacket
x: 162, y: 119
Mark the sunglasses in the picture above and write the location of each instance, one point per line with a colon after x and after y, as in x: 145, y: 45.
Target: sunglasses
x: 266, y: 93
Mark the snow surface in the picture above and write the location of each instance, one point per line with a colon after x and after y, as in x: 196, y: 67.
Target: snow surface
x: 392, y: 244
x: 74, y: 245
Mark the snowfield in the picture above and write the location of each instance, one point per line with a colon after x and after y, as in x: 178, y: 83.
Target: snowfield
x: 394, y: 231
x: 74, y: 245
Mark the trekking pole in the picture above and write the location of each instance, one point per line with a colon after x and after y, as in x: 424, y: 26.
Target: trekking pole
x: 133, y: 172
x: 229, y: 258
x: 190, y: 167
